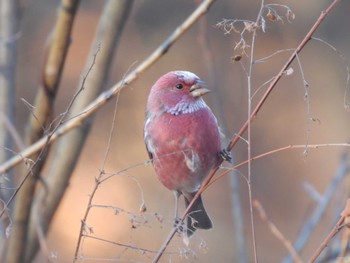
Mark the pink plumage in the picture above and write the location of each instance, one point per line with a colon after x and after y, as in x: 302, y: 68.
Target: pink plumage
x: 182, y: 138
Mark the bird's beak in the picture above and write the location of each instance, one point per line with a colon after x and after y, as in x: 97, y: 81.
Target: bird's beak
x: 199, y: 89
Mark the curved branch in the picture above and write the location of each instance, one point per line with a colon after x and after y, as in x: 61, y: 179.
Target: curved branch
x: 249, y: 121
x: 106, y: 96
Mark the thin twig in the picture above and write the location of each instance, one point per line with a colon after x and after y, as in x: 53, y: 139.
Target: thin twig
x: 12, y: 131
x: 250, y: 89
x: 97, y: 180
x: 109, y: 31
x: 280, y: 74
x: 250, y: 119
x: 276, y: 232
x: 137, y: 248
x: 347, y: 65
x: 310, y: 224
x: 109, y: 94
x: 274, y: 151
x: 288, y: 147
x: 236, y: 205
x: 345, y: 215
x: 46, y: 143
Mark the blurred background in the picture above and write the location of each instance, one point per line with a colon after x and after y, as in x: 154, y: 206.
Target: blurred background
x: 287, y: 117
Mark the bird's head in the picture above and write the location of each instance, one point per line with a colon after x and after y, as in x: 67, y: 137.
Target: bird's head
x: 176, y: 90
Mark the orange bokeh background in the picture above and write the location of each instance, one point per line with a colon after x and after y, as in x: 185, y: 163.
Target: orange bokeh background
x: 276, y: 180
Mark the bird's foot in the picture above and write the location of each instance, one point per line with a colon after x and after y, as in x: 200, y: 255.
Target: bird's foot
x: 178, y: 224
x: 226, y: 155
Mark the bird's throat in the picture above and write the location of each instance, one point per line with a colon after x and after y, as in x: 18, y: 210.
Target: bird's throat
x: 187, y: 107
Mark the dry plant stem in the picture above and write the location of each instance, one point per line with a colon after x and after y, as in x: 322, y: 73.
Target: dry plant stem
x: 309, y: 226
x: 346, y: 64
x: 236, y: 205
x: 42, y: 113
x: 339, y: 225
x: 106, y: 96
x: 18, y: 235
x: 16, y: 137
x: 84, y: 220
x: 9, y: 33
x: 9, y: 25
x: 249, y: 145
x: 275, y: 151
x: 276, y: 232
x: 202, y: 9
x: 344, y: 246
x: 98, y: 181
x: 68, y: 149
x: 250, y: 119
x: 280, y: 74
x: 135, y: 248
x: 55, y: 58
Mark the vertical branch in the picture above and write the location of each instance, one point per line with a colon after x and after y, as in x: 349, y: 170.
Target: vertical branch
x: 55, y: 59
x: 275, y: 80
x: 98, y: 181
x: 107, y: 95
x: 245, y: 126
x: 9, y: 17
x: 9, y: 28
x: 68, y: 149
x: 41, y: 118
x: 250, y: 74
x: 236, y: 206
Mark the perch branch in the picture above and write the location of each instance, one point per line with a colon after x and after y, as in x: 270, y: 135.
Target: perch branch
x: 250, y: 119
x: 106, y: 96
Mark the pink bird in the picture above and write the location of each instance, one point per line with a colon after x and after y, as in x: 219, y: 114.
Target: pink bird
x: 183, y: 139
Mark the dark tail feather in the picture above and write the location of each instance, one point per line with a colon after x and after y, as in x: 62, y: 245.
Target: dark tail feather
x: 197, y: 217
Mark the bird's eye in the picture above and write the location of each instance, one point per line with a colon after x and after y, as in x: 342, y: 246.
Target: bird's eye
x: 179, y: 86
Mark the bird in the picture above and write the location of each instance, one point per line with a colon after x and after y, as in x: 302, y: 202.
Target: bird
x: 183, y: 140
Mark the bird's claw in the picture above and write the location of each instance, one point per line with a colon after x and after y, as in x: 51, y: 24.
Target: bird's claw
x: 226, y: 155
x: 178, y: 224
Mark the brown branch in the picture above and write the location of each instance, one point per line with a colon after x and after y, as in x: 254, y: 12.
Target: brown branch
x: 342, y: 222
x: 276, y: 232
x: 98, y: 181
x: 135, y: 248
x: 236, y: 205
x: 106, y: 96
x: 280, y: 74
x: 249, y: 121
x: 67, y: 152
x: 55, y: 58
x: 309, y: 226
x: 41, y: 117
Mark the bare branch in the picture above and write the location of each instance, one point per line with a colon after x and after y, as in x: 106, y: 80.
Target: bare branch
x: 68, y: 149
x: 9, y: 33
x: 347, y: 65
x: 9, y: 26
x: 315, y: 218
x: 246, y: 126
x: 276, y: 232
x: 106, y: 96
x: 41, y: 117
x: 343, y: 222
